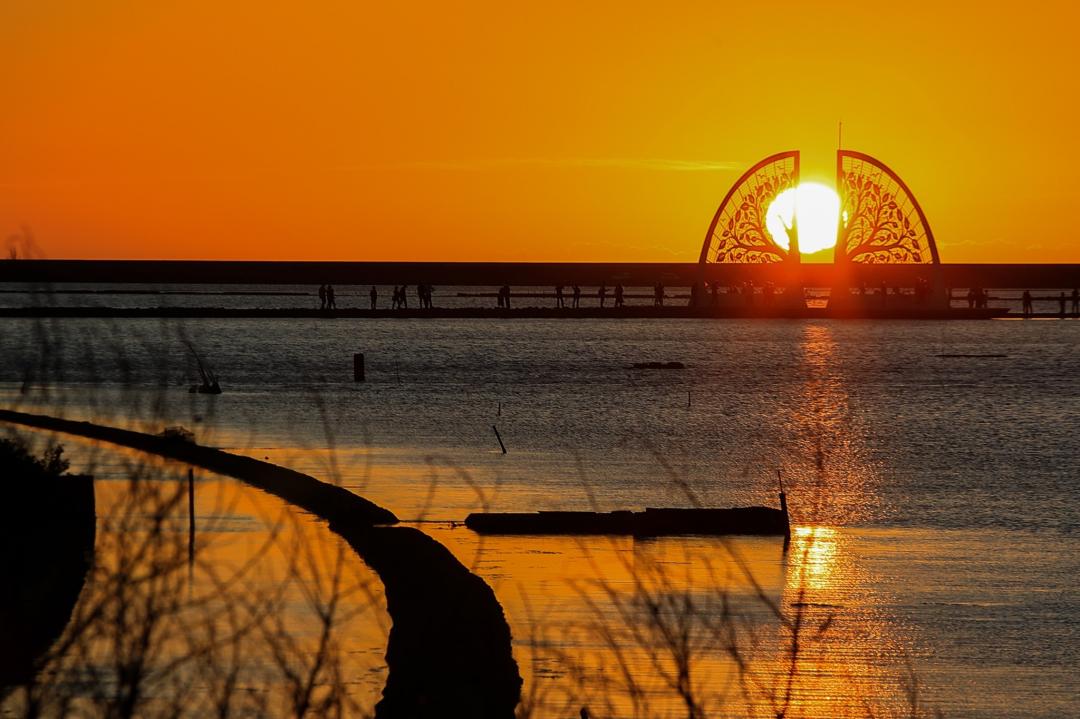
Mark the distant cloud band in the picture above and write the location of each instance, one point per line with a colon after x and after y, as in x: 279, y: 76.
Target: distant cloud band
x: 629, y: 163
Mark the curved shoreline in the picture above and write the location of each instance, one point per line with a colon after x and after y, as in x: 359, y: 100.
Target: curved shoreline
x: 449, y: 648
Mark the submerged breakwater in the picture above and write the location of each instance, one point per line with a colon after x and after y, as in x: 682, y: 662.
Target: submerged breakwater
x: 449, y: 647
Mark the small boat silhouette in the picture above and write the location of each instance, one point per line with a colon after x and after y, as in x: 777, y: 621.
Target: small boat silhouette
x: 209, y: 384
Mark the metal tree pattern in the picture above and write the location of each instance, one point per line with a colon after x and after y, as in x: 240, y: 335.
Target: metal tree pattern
x: 737, y: 232
x: 880, y: 220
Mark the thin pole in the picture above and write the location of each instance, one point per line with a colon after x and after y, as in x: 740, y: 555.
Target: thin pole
x: 191, y: 514
x: 840, y: 136
x: 784, y: 509
x: 499, y: 438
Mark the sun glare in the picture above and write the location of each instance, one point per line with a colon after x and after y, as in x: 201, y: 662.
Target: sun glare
x: 818, y: 208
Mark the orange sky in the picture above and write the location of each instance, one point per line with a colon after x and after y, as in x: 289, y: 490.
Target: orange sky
x: 499, y: 131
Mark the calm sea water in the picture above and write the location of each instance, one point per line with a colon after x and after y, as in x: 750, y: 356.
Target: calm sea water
x: 935, y: 496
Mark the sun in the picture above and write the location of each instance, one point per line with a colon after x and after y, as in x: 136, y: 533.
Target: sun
x: 818, y: 208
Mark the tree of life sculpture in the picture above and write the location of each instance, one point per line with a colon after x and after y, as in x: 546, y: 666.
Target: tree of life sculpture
x: 737, y: 232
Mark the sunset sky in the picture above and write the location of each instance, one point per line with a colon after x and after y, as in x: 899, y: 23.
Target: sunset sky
x: 505, y: 131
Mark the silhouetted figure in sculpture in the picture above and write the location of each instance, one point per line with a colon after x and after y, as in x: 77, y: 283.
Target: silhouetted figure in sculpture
x: 1029, y: 308
x: 619, y: 295
x: 374, y: 297
x: 602, y: 294
x: 330, y: 303
x: 322, y: 297
x: 559, y: 302
x: 577, y: 297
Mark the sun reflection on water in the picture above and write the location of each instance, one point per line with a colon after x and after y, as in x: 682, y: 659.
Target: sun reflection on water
x: 814, y: 549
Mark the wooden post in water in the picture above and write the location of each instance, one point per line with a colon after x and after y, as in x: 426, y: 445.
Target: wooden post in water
x: 783, y: 506
x: 358, y: 367
x: 191, y: 514
x: 499, y: 438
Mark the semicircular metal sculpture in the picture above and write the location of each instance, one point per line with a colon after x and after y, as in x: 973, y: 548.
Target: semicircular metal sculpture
x: 880, y: 219
x: 737, y: 232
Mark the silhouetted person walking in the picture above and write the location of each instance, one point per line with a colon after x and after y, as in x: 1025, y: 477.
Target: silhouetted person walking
x: 1028, y: 306
x: 1061, y: 303
x: 619, y: 295
x: 322, y: 297
x: 577, y: 297
x: 374, y: 297
x: 404, y: 301
x: 602, y: 294
x: 558, y: 296
x: 330, y: 303
x: 1076, y: 301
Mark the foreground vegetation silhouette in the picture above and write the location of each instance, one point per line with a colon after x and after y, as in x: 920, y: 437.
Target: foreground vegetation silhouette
x: 160, y: 631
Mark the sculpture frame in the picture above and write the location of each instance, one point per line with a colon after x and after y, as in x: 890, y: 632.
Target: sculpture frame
x: 743, y: 180
x: 840, y: 253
